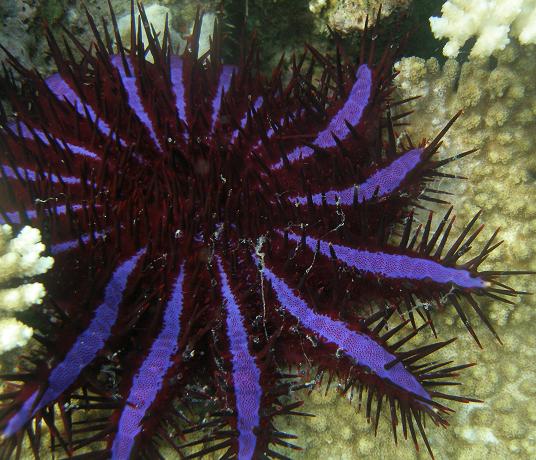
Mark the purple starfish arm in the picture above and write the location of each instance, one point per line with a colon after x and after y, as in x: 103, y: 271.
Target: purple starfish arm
x: 69, y: 245
x: 283, y: 121
x: 395, y: 265
x: 150, y: 376
x: 27, y: 134
x: 61, y: 89
x: 350, y: 112
x: 246, y: 374
x: 133, y: 96
x: 14, y: 216
x: 34, y: 176
x: 177, y: 85
x: 223, y: 85
x: 382, y: 183
x: 358, y: 346
x: 256, y: 106
x: 84, y: 349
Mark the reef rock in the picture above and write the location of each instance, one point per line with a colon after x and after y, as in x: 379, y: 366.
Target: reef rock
x: 349, y: 15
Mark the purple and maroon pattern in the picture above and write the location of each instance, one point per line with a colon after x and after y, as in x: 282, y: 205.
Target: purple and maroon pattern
x: 83, y: 351
x: 210, y: 228
x: 149, y: 379
x: 360, y: 347
x: 350, y: 112
x: 246, y: 374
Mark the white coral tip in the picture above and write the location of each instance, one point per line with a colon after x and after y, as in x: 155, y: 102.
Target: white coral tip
x: 13, y: 334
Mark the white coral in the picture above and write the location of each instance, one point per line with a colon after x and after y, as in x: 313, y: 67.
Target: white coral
x: 492, y: 22
x: 156, y: 15
x: 20, y: 257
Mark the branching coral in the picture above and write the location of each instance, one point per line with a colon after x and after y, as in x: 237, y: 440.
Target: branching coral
x: 491, y: 21
x: 20, y: 258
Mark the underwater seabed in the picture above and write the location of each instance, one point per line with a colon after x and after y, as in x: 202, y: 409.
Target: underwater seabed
x: 498, y: 97
x: 501, y: 427
x: 499, y: 118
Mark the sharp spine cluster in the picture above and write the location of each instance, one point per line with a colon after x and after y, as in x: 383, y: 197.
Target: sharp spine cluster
x: 155, y: 183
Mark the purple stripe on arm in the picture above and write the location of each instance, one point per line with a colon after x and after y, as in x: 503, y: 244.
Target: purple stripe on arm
x: 386, y: 181
x: 14, y: 216
x: 84, y: 349
x: 223, y: 85
x: 150, y: 376
x: 246, y: 374
x: 271, y: 131
x: 351, y: 111
x: 77, y: 150
x: 73, y: 244
x: 27, y: 134
x: 32, y: 213
x: 134, y: 99
x: 61, y: 89
x: 359, y: 347
x: 256, y: 106
x: 33, y: 176
x: 395, y: 265
x: 177, y: 85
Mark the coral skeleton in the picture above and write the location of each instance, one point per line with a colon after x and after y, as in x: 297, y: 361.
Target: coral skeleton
x: 492, y: 22
x: 20, y: 258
